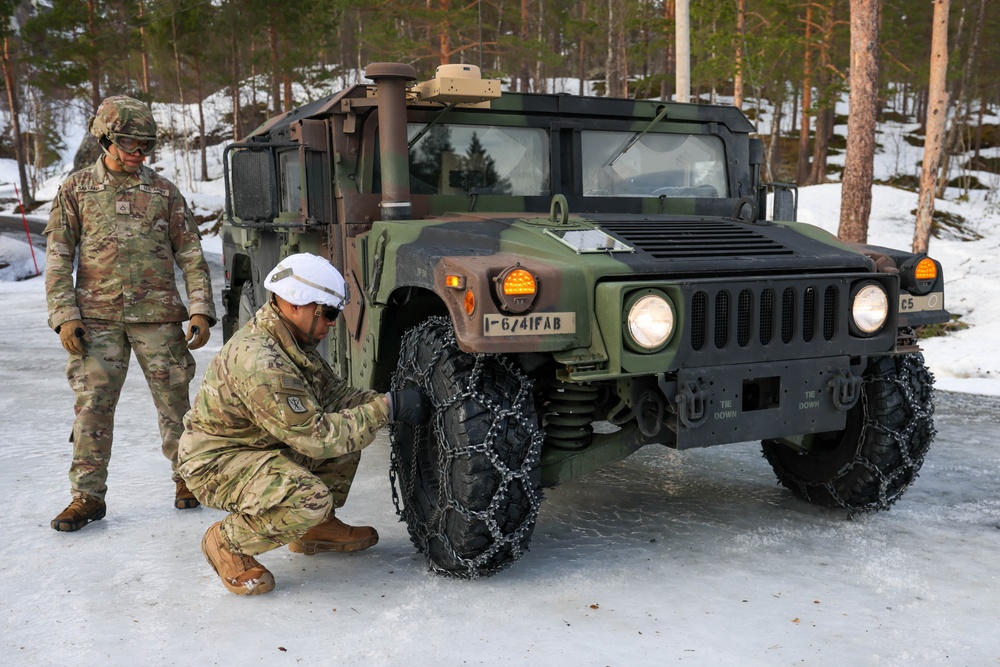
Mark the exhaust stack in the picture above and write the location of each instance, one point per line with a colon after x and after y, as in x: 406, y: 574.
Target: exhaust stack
x: 390, y: 92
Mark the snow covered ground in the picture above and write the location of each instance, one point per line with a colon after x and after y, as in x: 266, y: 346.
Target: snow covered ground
x: 667, y: 557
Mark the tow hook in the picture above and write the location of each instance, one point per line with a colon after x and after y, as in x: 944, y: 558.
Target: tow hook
x: 691, y: 405
x: 649, y: 413
x: 846, y: 389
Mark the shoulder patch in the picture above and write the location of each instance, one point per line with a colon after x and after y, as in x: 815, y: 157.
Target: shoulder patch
x: 295, y: 403
x: 163, y: 192
x: 97, y: 187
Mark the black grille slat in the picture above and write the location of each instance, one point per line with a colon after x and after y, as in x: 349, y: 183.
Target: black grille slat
x: 698, y: 313
x: 721, y: 319
x: 829, y: 312
x: 767, y: 316
x: 744, y: 317
x: 787, y: 315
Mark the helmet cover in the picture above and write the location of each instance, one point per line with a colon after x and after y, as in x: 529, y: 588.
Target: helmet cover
x: 123, y: 115
x: 305, y: 278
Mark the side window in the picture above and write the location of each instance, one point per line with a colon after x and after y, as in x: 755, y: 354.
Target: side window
x: 290, y: 172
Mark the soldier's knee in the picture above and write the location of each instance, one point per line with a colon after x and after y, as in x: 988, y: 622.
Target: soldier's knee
x: 313, y: 509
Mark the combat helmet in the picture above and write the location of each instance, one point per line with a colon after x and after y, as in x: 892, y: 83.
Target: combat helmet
x: 305, y: 278
x: 126, y: 122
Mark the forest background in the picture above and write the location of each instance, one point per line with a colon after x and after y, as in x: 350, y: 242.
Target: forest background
x: 792, y: 58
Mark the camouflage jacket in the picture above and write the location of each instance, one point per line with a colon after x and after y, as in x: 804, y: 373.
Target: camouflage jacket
x: 128, y: 239
x: 263, y: 391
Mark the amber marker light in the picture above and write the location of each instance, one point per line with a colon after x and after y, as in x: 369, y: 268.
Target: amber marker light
x: 470, y: 302
x: 516, y: 289
x: 919, y: 274
x: 519, y: 282
x: 454, y: 282
x: 926, y: 269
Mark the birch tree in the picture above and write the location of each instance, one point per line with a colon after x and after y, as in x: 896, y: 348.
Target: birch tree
x: 937, y: 108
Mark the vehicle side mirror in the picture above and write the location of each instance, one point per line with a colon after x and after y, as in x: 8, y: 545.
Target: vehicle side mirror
x: 784, y: 205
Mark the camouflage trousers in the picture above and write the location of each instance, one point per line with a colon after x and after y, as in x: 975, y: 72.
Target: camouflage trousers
x: 97, y: 377
x: 273, y: 496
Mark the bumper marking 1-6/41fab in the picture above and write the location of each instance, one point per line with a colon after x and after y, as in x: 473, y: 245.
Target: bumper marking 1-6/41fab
x: 529, y: 325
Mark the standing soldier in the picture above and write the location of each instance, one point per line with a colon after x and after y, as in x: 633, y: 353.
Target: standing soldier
x: 275, y: 436
x: 126, y: 226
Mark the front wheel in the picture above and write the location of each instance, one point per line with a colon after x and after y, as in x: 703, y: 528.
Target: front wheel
x: 467, y: 484
x: 868, y: 465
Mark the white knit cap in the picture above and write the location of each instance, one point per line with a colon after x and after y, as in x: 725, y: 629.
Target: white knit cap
x: 305, y: 278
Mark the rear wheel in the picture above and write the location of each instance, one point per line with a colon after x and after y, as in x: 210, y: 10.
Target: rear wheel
x: 468, y: 483
x: 868, y: 465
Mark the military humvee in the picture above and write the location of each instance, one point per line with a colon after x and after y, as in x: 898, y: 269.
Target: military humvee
x: 543, y: 264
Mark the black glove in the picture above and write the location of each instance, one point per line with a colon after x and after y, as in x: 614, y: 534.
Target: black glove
x: 409, y: 406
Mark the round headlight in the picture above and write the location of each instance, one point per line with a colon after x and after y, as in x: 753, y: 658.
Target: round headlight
x: 651, y: 321
x: 870, y: 308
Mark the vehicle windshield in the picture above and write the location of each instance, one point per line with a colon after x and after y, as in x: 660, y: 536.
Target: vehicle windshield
x: 670, y: 165
x: 479, y: 159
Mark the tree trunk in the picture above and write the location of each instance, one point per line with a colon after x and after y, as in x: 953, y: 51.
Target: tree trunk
x: 525, y: 75
x: 774, y: 143
x: 616, y: 72
x: 203, y: 140
x: 856, y: 193
x: 235, y: 84
x: 821, y: 146
x: 272, y: 34
x: 581, y: 47
x: 668, y: 63
x: 738, y: 77
x: 954, y: 140
x: 937, y: 108
x: 142, y: 49
x: 682, y: 46
x: 803, y: 175
x: 93, y: 64
x: 444, y: 38
x: 10, y: 81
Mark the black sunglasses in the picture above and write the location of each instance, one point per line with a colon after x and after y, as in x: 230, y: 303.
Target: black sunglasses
x: 329, y: 313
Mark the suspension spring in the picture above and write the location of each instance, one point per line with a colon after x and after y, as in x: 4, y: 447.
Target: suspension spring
x: 569, y: 415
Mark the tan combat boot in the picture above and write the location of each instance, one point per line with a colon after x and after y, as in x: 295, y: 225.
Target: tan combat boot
x: 334, y: 535
x: 241, y: 574
x: 183, y: 498
x: 80, y: 512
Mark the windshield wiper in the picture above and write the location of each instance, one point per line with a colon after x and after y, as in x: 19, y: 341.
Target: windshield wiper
x: 426, y: 127
x: 639, y: 135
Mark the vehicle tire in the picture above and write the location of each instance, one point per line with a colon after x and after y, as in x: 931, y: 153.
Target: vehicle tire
x: 868, y: 465
x: 248, y: 304
x: 468, y: 483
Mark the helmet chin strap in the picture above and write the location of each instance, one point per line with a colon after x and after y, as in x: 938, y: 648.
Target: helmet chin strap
x: 307, y: 339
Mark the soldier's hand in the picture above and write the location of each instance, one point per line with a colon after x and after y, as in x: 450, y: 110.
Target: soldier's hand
x: 198, y: 332
x: 409, y: 406
x: 72, y: 335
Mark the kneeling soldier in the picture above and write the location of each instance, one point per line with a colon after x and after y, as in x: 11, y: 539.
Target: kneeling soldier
x: 275, y: 437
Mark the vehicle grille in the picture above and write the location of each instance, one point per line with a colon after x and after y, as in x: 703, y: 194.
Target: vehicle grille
x: 723, y: 318
x: 772, y: 319
x: 702, y: 239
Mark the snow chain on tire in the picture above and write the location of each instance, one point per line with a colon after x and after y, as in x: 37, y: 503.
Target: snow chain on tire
x: 896, y: 429
x: 468, y: 483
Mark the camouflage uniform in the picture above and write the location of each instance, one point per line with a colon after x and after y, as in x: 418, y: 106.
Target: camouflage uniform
x: 127, y: 236
x: 274, y: 436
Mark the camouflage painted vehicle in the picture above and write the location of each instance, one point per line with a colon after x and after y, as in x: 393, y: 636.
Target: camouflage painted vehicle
x: 541, y: 264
